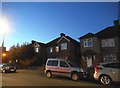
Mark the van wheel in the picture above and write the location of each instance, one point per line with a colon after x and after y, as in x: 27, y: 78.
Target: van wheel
x: 105, y: 80
x: 49, y: 74
x: 74, y: 76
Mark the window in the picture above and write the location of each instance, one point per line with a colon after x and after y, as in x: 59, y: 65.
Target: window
x: 108, y: 43
x: 109, y: 57
x: 57, y: 48
x: 52, y: 63
x: 63, y: 64
x: 50, y: 50
x: 88, y: 42
x: 72, y: 64
x: 36, y: 49
x: 64, y: 46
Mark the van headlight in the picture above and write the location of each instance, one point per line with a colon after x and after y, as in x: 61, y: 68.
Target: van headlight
x: 81, y: 70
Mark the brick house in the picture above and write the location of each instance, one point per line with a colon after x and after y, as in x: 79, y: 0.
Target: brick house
x: 104, y: 46
x: 62, y: 47
x: 40, y: 52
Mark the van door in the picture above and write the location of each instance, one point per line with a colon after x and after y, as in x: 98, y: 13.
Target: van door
x: 64, y: 69
x: 52, y: 65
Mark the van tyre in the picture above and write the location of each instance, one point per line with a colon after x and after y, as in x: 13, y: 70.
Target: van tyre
x: 49, y: 74
x: 74, y: 76
x: 105, y: 80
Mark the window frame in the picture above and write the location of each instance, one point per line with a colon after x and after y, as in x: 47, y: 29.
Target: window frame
x: 108, y: 42
x: 88, y: 42
x: 51, y: 63
x: 64, y: 46
x: 109, y: 57
x: 50, y: 49
x: 57, y: 49
x: 64, y: 66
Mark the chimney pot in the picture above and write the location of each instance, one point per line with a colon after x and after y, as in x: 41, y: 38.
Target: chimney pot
x: 62, y: 34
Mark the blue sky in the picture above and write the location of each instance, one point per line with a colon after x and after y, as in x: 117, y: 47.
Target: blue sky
x: 44, y: 21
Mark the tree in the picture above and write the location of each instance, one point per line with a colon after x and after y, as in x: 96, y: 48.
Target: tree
x: 24, y: 54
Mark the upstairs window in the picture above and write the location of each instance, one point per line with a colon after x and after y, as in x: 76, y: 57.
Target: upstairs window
x: 36, y: 50
x: 88, y: 42
x: 108, y: 43
x: 57, y: 48
x: 64, y: 46
x: 50, y: 50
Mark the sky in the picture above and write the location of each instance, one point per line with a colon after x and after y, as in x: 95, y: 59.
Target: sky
x: 44, y: 21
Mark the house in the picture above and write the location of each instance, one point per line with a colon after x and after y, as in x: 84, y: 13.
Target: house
x: 40, y: 52
x: 110, y: 42
x: 104, y: 46
x: 64, y: 47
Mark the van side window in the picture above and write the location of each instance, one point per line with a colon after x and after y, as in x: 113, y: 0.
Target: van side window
x: 52, y: 63
x: 63, y: 64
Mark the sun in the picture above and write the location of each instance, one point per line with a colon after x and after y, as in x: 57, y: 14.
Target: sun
x: 4, y: 25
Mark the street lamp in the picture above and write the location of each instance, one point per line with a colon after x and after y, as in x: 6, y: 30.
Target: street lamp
x: 4, y: 28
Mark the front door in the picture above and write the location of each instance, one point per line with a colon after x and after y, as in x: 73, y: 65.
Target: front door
x: 89, y: 61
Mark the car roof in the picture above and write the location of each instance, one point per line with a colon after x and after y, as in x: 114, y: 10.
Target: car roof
x: 109, y: 62
x: 56, y: 59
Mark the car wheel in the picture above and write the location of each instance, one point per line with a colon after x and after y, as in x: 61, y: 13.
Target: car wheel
x: 49, y: 74
x: 105, y: 80
x: 3, y: 71
x: 74, y: 76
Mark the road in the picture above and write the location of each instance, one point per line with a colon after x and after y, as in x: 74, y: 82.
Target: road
x: 38, y: 78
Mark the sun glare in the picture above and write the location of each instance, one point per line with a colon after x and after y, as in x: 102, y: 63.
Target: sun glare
x: 4, y: 25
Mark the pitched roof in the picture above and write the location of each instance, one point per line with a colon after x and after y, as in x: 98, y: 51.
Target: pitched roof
x: 88, y: 35
x: 109, y: 32
x: 33, y: 42
x: 54, y: 42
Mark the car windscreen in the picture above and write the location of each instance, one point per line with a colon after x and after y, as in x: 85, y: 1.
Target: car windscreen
x: 72, y: 64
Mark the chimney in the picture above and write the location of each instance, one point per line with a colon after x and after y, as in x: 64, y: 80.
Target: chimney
x: 33, y: 41
x: 116, y: 23
x: 62, y: 34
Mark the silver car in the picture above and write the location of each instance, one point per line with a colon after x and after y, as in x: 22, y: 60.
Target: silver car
x: 63, y: 67
x: 107, y: 73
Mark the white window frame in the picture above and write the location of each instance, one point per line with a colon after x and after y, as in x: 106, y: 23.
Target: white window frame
x: 109, y: 57
x: 87, y: 41
x: 57, y: 48
x: 36, y: 49
x: 63, y: 46
x: 108, y: 42
x: 50, y: 50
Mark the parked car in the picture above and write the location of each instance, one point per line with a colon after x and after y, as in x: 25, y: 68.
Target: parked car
x: 107, y: 73
x: 63, y: 67
x: 1, y: 67
x: 7, y: 68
